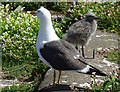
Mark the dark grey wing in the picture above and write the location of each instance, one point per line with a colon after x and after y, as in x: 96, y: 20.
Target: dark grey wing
x: 62, y: 56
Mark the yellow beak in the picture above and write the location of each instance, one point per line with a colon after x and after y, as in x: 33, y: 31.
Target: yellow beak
x: 33, y: 13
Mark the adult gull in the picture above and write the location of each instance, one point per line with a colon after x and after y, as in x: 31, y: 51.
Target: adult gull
x: 57, y: 53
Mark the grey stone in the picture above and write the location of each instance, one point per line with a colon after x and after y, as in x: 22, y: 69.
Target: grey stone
x: 100, y: 39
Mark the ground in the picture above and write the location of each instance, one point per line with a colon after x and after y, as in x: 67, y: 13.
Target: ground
x: 101, y: 40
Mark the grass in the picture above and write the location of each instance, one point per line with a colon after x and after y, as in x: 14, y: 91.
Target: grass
x: 113, y: 56
x: 18, y: 49
x: 26, y: 74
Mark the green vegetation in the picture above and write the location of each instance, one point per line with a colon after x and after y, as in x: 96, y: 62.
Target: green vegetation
x: 111, y: 83
x: 19, y: 47
x: 113, y: 56
x: 29, y: 6
x: 19, y: 33
x: 107, y: 12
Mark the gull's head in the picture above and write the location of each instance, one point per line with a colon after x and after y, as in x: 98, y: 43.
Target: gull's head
x: 90, y: 16
x: 42, y: 13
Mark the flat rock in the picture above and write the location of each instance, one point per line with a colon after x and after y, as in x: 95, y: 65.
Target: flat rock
x: 99, y: 40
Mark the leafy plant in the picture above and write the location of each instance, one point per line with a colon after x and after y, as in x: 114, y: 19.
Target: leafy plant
x: 19, y: 30
x: 113, y: 56
x: 112, y: 82
x: 107, y: 12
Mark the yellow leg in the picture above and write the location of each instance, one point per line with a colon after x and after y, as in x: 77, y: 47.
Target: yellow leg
x: 59, y: 77
x: 54, y: 77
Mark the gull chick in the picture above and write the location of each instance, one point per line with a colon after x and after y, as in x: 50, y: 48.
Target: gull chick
x: 80, y: 32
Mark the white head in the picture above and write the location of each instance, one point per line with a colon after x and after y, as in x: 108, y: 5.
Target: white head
x: 42, y: 14
x: 46, y: 30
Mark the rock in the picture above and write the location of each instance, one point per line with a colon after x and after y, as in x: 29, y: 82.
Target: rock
x: 100, y: 40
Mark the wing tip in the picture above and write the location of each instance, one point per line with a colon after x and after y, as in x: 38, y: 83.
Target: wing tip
x: 96, y: 72
x: 91, y: 71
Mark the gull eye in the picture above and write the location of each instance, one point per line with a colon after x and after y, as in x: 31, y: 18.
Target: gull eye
x: 38, y: 11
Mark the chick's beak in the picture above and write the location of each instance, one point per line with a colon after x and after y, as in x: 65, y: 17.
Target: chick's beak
x: 96, y: 17
x: 33, y: 13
